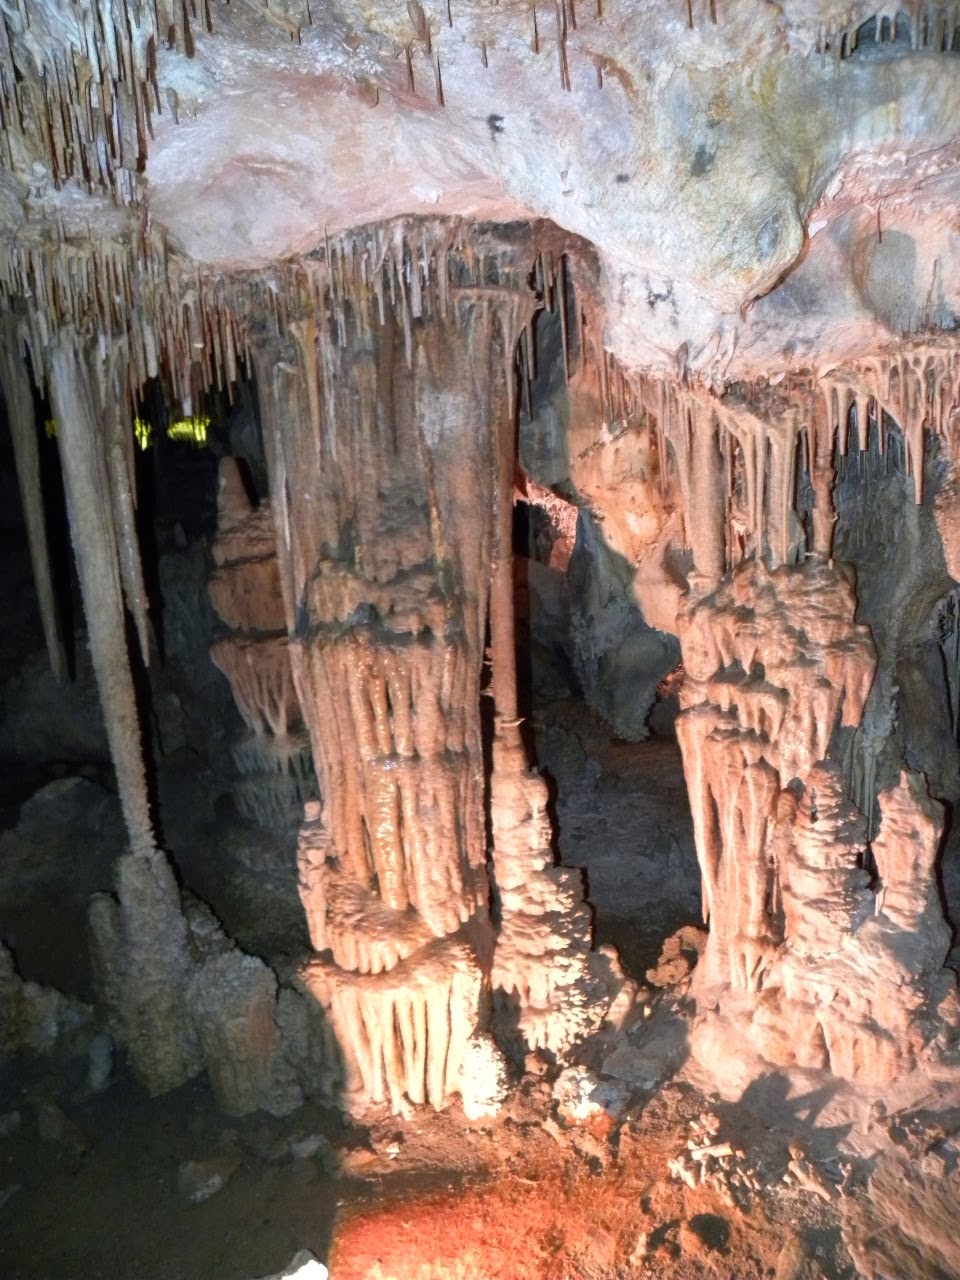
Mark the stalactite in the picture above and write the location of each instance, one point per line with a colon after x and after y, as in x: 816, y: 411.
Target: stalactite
x: 823, y: 478
x: 18, y: 397
x: 918, y: 389
x: 72, y: 384
x: 403, y: 1030
x: 933, y: 26
x: 61, y: 80
x: 706, y: 501
x: 114, y: 396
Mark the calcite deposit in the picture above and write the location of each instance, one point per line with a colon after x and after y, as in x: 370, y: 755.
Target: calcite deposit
x: 696, y: 267
x: 273, y: 758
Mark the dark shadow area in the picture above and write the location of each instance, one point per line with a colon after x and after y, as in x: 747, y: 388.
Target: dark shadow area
x: 772, y: 1098
x: 114, y: 1186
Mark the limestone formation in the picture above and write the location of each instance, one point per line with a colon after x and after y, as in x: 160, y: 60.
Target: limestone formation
x: 843, y: 982
x: 36, y: 1019
x: 547, y: 985
x: 232, y: 1001
x: 180, y: 998
x: 774, y: 664
x: 483, y: 1078
x: 386, y: 544
x: 274, y: 758
x: 18, y: 398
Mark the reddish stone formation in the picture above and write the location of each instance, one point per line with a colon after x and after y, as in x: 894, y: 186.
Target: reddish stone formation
x: 548, y: 985
x: 774, y: 663
x: 835, y: 974
x: 274, y: 759
x: 860, y: 977
x: 384, y: 538
x: 385, y: 548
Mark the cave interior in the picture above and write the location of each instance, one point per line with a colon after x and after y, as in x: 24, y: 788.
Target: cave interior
x: 480, y: 673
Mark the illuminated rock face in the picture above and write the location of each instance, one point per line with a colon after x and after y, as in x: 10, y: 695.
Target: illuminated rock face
x: 388, y: 535
x: 774, y: 662
x: 841, y: 975
x: 391, y: 458
x: 863, y: 964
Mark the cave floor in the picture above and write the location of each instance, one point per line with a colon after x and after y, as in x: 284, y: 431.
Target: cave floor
x: 90, y: 1186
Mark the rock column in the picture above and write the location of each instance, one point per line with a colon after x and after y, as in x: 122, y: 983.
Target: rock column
x: 380, y: 448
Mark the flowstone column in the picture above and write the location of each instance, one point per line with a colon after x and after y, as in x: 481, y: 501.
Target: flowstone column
x: 273, y: 758
x: 809, y: 961
x: 549, y: 988
x: 380, y: 449
x: 389, y: 423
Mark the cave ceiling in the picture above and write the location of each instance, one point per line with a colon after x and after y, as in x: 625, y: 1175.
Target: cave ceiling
x: 766, y: 186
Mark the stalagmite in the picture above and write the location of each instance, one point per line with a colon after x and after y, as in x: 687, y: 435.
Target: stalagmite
x: 548, y: 988
x: 867, y: 976
x: 21, y: 416
x: 905, y: 851
x: 774, y: 663
x: 817, y: 972
x: 232, y: 999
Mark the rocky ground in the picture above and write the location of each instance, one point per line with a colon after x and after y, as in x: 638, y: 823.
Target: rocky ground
x: 571, y: 1180
x: 630, y: 1166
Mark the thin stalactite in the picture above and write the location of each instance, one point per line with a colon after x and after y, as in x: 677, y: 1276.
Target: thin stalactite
x: 21, y: 416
